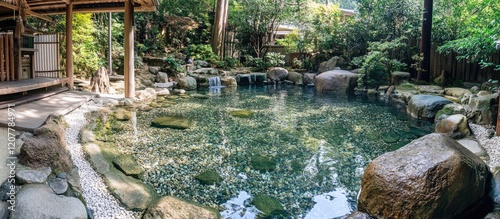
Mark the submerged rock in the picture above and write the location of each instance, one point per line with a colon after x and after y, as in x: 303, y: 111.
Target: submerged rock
x: 262, y: 163
x: 270, y: 207
x: 171, y: 122
x: 241, y: 113
x: 169, y: 207
x: 208, y: 177
x: 431, y: 177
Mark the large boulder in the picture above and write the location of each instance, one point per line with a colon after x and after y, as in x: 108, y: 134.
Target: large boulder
x: 482, y: 109
x: 187, y: 83
x: 400, y: 77
x: 426, y: 106
x: 229, y: 81
x: 295, y: 77
x: 337, y: 81
x: 456, y: 126
x: 38, y: 201
x: 277, y: 74
x: 169, y: 207
x: 457, y: 92
x: 431, y: 177
x: 328, y: 65
x: 47, y: 149
x: 161, y: 77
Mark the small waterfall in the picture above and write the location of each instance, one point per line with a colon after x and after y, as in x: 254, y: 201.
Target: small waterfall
x: 214, y: 82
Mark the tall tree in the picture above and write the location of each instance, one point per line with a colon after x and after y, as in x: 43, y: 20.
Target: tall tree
x: 219, y: 27
x: 425, y: 45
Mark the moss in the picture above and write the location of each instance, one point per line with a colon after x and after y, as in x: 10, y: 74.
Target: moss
x: 270, y: 207
x: 418, y: 132
x: 445, y: 111
x: 208, y: 177
x: 297, y: 166
x: 171, y: 122
x: 262, y: 163
x: 241, y: 113
x: 406, y: 86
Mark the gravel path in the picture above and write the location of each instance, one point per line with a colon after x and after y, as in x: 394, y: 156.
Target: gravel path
x: 491, y: 145
x: 95, y: 192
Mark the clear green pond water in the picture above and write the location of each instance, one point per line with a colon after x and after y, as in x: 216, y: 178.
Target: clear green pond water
x: 317, y: 147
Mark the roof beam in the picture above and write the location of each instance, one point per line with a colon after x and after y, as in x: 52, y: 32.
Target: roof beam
x: 49, y: 2
x: 43, y: 17
x: 9, y: 6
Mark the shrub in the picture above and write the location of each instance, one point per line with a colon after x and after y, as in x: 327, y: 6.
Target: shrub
x: 257, y: 64
x: 203, y: 52
x: 275, y: 59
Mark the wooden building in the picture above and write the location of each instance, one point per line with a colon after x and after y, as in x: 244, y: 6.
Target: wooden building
x: 17, y: 44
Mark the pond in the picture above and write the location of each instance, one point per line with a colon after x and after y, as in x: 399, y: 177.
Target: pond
x: 304, y: 150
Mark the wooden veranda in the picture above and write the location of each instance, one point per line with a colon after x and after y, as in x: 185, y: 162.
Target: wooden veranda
x: 16, y: 44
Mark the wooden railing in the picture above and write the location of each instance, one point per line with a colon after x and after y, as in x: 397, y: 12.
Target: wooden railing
x: 7, y: 56
x: 12, y: 2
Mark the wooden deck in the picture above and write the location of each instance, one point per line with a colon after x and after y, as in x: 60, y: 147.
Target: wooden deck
x: 11, y: 87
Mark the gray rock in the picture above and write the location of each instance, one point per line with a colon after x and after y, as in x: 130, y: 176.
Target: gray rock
x: 399, y: 77
x: 456, y: 92
x: 178, y: 91
x: 73, y: 179
x: 430, y: 89
x: 492, y: 215
x: 431, y: 177
x: 7, y: 189
x: 473, y: 146
x: 33, y: 176
x: 482, y: 110
x: 244, y: 79
x: 201, y: 63
x: 47, y: 149
x: 277, y: 74
x: 163, y: 92
x: 426, y: 106
x: 175, y: 208
x: 229, y: 81
x: 87, y: 136
x: 455, y: 126
x: 328, y: 65
x: 154, y: 69
x: 25, y: 135
x: 358, y: 215
x: 337, y: 82
x: 58, y: 185
x: 4, y: 211
x: 309, y: 78
x: 127, y: 164
x: 38, y: 201
x: 295, y: 77
x: 187, y: 83
x: 161, y: 77
x: 147, y: 95
x: 211, y: 71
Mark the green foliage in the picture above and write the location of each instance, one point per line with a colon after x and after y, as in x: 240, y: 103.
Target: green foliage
x: 378, y: 64
x: 171, y: 65
x: 202, y: 52
x: 230, y: 62
x: 257, y: 64
x: 275, y: 59
x: 468, y: 28
x: 85, y: 51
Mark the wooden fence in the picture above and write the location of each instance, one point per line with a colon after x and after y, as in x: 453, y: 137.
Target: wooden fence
x: 47, y: 59
x: 7, y: 56
x: 463, y: 70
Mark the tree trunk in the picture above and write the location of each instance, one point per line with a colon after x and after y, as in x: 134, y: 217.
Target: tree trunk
x: 100, y: 82
x: 425, y: 45
x: 219, y: 27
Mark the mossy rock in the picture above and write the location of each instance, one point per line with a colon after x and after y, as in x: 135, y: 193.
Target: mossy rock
x: 123, y: 115
x: 270, y: 207
x: 172, y: 97
x: 171, y: 122
x: 261, y: 163
x: 127, y: 165
x: 444, y: 111
x: 154, y: 105
x: 241, y: 113
x: 390, y: 137
x: 406, y: 86
x: 372, y: 136
x: 297, y: 166
x: 208, y: 177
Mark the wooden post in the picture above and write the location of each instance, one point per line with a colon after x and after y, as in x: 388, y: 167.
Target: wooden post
x: 11, y: 45
x: 7, y: 56
x: 129, y: 50
x: 69, y: 45
x: 110, y: 38
x: 2, y: 51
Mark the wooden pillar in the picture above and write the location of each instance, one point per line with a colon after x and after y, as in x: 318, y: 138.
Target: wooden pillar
x: 425, y: 44
x: 129, y: 50
x: 110, y: 43
x: 69, y: 45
